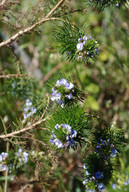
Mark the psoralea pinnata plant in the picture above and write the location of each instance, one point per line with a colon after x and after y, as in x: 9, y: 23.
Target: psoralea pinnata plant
x: 53, y: 119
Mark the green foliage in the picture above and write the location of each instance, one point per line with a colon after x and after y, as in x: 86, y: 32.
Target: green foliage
x: 66, y: 37
x: 74, y: 116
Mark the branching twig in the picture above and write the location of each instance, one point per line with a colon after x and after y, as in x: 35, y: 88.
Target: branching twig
x: 4, y: 5
x: 29, y: 29
x: 13, y: 75
x: 3, y: 2
x: 24, y: 129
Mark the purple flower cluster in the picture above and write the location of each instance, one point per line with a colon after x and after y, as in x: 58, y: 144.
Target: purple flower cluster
x: 60, y: 96
x: 22, y: 156
x: 106, y: 149
x: 93, y: 178
x: 84, y: 47
x: 68, y: 133
x: 29, y: 110
x: 3, y: 157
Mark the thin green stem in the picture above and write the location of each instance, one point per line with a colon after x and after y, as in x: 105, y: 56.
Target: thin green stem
x: 77, y: 74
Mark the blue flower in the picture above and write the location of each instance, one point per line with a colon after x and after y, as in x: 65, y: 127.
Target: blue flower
x: 87, y: 172
x: 69, y: 96
x: 33, y: 110
x: 58, y: 143
x: 96, y: 50
x: 79, y: 46
x: 3, y: 167
x: 57, y: 126
x: 69, y: 86
x: 85, y: 38
x: 73, y: 133
x: 117, y: 4
x: 97, y: 148
x: 28, y: 103
x: 101, y: 186
x: 26, y: 115
x: 64, y: 83
x: 25, y: 157
x: 71, y: 142
x: 84, y: 166
x: 99, y: 175
x: 85, y: 181
x: 90, y: 37
x: 56, y: 95
x: 67, y: 127
x: 126, y: 182
x: 22, y: 155
x: 3, y: 156
x: 61, y: 82
x: 102, y: 141
x: 80, y: 39
x: 29, y: 110
x: 113, y: 152
x: 113, y: 186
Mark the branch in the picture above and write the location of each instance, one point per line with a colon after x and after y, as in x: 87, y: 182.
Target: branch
x: 12, y: 75
x: 4, y: 5
x: 27, y: 30
x: 3, y: 2
x: 24, y: 129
